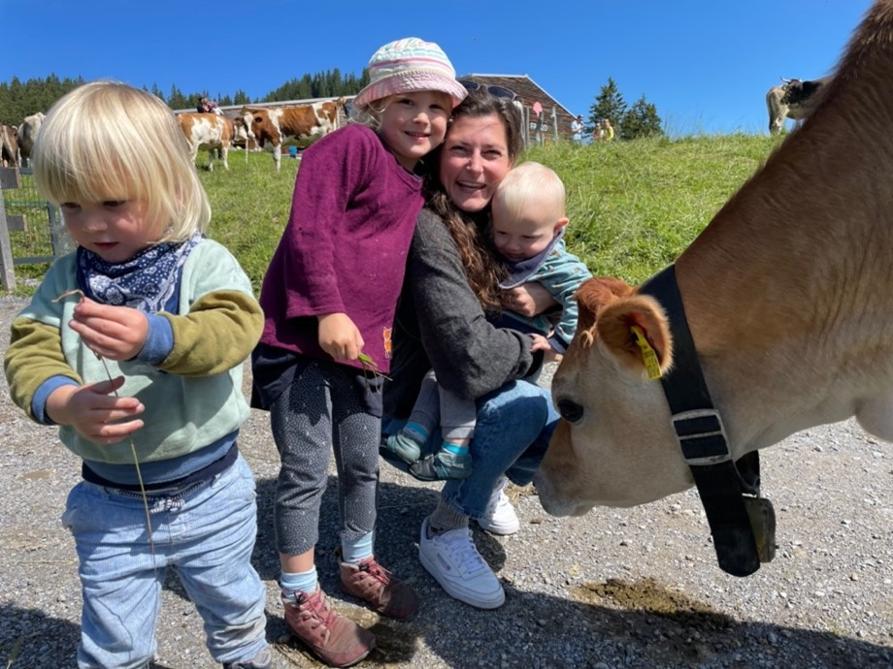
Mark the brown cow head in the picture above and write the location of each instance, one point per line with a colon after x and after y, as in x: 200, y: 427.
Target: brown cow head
x: 611, y: 445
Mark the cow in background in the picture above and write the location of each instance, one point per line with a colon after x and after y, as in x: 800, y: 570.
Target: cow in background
x: 242, y: 135
x: 275, y: 124
x: 9, y: 146
x: 207, y: 130
x: 28, y: 134
x: 794, y: 99
x: 788, y: 295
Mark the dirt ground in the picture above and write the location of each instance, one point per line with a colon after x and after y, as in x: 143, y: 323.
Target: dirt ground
x: 615, y: 588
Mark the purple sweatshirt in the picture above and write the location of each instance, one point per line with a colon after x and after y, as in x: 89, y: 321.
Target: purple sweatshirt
x: 344, y: 248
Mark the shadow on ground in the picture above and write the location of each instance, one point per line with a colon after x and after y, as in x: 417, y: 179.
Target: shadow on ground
x: 643, y: 623
x: 621, y: 624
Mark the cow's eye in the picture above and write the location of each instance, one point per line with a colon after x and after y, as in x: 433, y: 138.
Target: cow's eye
x: 570, y: 410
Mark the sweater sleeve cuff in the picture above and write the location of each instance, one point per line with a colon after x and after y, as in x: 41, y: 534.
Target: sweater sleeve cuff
x: 159, y: 340
x: 558, y: 344
x: 44, y: 390
x: 537, y: 362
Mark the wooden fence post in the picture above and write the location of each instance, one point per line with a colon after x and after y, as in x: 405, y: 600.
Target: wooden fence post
x: 7, y: 271
x: 60, y: 240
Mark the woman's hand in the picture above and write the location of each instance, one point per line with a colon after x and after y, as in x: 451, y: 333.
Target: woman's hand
x: 528, y: 299
x: 92, y: 410
x: 339, y: 337
x: 116, y: 333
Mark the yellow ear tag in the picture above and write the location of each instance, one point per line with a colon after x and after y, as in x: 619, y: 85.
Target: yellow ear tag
x: 649, y: 357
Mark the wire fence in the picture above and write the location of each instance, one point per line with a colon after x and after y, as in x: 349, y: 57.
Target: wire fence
x: 31, y: 229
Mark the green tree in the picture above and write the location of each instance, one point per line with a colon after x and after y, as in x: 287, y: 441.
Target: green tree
x: 641, y: 120
x: 177, y: 100
x: 608, y: 104
x: 19, y: 99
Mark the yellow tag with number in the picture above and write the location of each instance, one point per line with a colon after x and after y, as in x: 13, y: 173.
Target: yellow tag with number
x: 649, y: 357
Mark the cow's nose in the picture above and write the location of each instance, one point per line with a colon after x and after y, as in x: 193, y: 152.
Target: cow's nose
x: 570, y: 410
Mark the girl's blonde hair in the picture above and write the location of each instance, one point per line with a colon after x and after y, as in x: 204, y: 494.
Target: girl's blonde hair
x: 370, y: 114
x: 109, y: 141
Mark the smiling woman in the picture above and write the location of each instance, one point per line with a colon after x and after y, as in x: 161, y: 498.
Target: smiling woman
x: 452, y: 281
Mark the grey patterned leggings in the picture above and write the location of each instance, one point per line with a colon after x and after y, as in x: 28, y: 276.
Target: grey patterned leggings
x: 324, y: 409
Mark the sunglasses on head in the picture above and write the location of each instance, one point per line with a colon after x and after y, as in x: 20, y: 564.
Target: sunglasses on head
x: 498, y: 91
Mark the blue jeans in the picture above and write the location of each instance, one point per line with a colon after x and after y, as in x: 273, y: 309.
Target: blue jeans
x: 206, y: 532
x: 514, y: 425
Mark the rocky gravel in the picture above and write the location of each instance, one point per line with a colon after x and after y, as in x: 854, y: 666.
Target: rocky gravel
x: 615, y: 588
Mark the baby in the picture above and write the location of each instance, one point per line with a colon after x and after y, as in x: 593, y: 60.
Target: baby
x: 528, y: 227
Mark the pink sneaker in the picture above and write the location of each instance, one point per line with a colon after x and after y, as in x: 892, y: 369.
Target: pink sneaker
x: 333, y: 638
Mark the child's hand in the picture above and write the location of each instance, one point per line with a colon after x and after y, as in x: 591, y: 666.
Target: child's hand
x: 528, y: 299
x: 339, y: 337
x: 116, y: 333
x: 92, y: 410
x: 540, y: 343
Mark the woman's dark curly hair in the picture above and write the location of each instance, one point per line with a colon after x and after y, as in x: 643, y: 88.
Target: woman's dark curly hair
x: 482, y: 268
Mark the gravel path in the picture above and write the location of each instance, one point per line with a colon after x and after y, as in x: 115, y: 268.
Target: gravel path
x: 616, y: 588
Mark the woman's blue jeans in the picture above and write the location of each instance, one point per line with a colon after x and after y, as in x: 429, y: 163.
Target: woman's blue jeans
x: 514, y: 425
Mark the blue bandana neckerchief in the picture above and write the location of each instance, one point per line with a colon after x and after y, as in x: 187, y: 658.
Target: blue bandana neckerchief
x: 145, y: 282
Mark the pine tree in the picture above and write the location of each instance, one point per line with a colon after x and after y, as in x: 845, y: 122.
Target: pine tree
x: 641, y: 120
x: 176, y: 99
x: 609, y: 104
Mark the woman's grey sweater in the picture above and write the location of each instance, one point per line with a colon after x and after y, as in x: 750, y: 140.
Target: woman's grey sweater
x: 440, y: 323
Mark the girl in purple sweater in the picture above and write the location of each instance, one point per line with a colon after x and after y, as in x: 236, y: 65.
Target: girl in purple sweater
x: 329, y: 298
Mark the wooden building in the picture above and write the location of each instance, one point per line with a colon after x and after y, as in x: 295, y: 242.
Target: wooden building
x: 554, y: 120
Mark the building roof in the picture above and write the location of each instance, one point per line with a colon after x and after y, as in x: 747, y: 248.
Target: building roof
x: 495, y: 79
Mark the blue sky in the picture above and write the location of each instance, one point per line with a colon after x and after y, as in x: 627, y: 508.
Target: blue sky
x: 706, y: 65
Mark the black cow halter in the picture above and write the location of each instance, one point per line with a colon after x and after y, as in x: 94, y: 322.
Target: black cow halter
x: 742, y: 523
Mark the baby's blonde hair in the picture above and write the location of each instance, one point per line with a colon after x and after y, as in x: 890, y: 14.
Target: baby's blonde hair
x: 109, y: 141
x: 526, y: 182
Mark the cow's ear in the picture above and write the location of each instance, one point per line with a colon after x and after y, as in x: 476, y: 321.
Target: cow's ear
x: 631, y: 328
x: 592, y: 297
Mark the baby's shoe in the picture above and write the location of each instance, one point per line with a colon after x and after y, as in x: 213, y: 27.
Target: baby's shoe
x: 403, y: 447
x: 333, y: 638
x: 441, y: 466
x: 374, y: 584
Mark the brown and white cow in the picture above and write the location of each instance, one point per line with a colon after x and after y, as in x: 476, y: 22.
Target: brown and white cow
x: 788, y: 295
x: 208, y: 130
x: 9, y: 146
x: 275, y: 124
x: 28, y: 134
x: 794, y: 99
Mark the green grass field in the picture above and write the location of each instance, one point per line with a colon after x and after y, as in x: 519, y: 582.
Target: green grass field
x: 633, y: 206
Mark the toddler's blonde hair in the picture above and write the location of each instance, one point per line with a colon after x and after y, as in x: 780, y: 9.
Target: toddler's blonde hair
x: 527, y: 182
x: 109, y: 141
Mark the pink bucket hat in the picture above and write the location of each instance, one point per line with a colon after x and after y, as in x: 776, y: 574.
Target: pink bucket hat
x: 408, y: 65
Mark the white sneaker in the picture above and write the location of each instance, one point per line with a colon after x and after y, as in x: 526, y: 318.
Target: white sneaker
x: 499, y: 517
x: 453, y: 560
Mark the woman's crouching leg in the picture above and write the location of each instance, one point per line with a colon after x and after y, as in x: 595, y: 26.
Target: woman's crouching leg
x: 513, y: 428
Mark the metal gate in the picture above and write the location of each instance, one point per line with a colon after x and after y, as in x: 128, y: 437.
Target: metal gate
x: 31, y: 229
